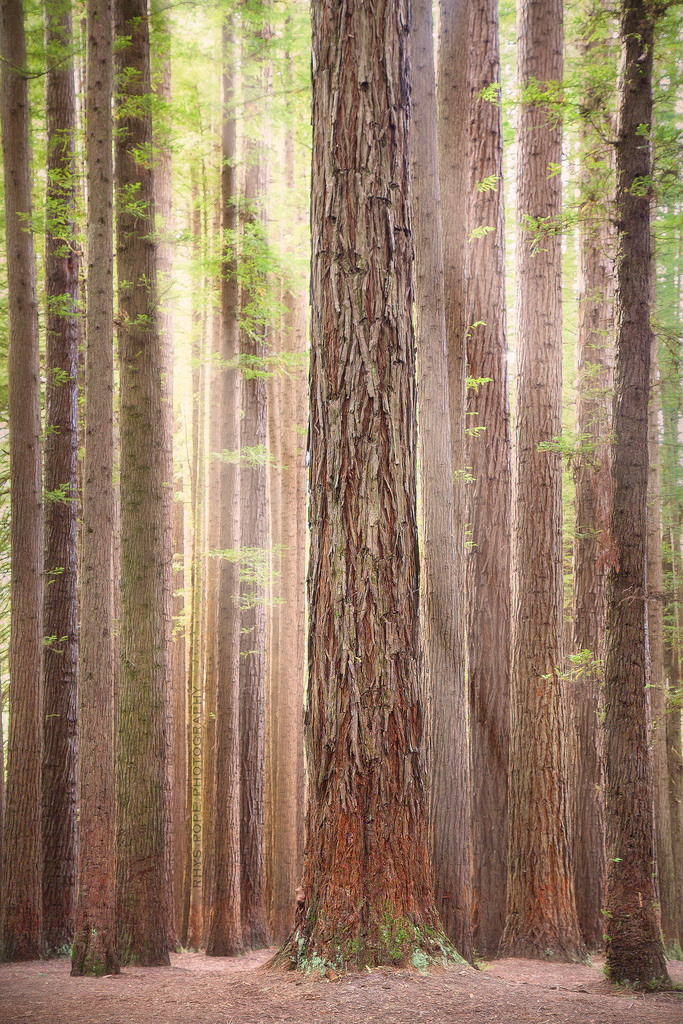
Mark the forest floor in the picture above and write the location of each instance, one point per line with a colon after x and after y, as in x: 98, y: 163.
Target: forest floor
x: 197, y: 989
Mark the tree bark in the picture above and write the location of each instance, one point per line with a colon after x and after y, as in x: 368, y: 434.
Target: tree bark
x: 21, y: 910
x: 488, y: 493
x: 541, y: 912
x: 142, y: 901
x: 225, y: 930
x: 60, y: 656
x: 633, y: 940
x: 593, y: 488
x: 254, y: 539
x: 366, y: 896
x: 440, y: 584
x: 94, y: 948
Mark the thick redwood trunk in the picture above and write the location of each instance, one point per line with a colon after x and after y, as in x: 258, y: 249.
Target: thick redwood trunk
x: 366, y: 895
x: 634, y: 945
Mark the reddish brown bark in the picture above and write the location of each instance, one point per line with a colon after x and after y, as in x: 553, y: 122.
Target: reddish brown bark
x: 142, y: 898
x: 94, y: 948
x: 366, y: 895
x: 592, y: 481
x: 20, y: 905
x: 633, y: 940
x: 60, y: 657
x: 488, y: 494
x: 541, y: 913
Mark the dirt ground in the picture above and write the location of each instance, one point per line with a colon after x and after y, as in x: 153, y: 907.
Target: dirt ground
x: 197, y: 989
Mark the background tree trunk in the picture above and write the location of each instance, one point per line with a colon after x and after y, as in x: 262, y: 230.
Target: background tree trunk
x: 20, y: 907
x: 541, y: 912
x: 142, y: 901
x: 488, y: 494
x: 440, y: 584
x: 634, y: 945
x: 94, y: 948
x: 225, y: 929
x: 60, y: 657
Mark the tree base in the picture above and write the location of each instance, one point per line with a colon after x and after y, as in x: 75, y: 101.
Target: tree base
x: 93, y: 956
x: 384, y: 941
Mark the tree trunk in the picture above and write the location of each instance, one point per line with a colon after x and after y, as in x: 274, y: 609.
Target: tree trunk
x: 593, y: 490
x: 254, y: 540
x: 60, y: 657
x: 180, y: 752
x: 541, y: 913
x: 161, y: 48
x: 366, y: 896
x: 287, y: 765
x: 658, y: 685
x: 634, y: 945
x: 674, y: 732
x: 94, y: 948
x: 225, y: 931
x: 441, y: 586
x: 20, y: 907
x: 489, y: 492
x: 142, y: 902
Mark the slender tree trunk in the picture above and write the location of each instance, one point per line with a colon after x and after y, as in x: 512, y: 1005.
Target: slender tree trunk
x: 593, y: 488
x: 254, y: 548
x: 94, y: 948
x: 286, y: 715
x: 20, y: 906
x: 180, y: 752
x: 634, y: 945
x: 489, y: 492
x: 225, y: 931
x: 658, y: 685
x: 440, y: 590
x: 142, y: 894
x: 161, y: 48
x: 541, y: 912
x: 674, y: 742
x: 60, y: 657
x: 366, y: 895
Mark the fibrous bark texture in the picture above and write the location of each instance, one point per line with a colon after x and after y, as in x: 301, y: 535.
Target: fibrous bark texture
x: 20, y: 909
x: 488, y: 493
x: 440, y: 584
x: 633, y: 939
x: 593, y: 488
x: 60, y: 657
x: 225, y: 930
x: 142, y: 899
x: 366, y: 895
x: 541, y: 913
x: 94, y: 948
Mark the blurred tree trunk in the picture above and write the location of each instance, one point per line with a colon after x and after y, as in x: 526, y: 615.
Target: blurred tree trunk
x: 225, y: 930
x: 440, y: 584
